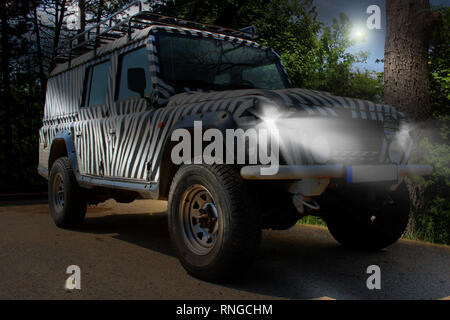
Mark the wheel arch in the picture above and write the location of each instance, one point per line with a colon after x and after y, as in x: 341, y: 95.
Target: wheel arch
x: 63, y: 146
x: 220, y: 120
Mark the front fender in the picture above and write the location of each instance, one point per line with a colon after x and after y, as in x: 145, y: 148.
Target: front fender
x: 221, y: 120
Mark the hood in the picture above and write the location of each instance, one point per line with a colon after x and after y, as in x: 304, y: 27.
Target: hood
x: 308, y: 102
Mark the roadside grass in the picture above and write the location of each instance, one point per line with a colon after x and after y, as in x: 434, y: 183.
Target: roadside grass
x: 312, y: 220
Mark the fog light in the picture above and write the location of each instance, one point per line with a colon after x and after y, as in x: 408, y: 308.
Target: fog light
x: 320, y: 150
x: 400, y: 147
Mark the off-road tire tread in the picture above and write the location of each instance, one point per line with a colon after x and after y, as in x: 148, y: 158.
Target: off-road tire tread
x: 76, y: 203
x: 245, y: 219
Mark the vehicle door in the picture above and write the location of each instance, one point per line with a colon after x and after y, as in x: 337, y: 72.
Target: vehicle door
x: 131, y: 128
x: 90, y: 139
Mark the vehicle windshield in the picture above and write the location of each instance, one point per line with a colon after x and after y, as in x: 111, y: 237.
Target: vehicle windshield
x: 210, y: 63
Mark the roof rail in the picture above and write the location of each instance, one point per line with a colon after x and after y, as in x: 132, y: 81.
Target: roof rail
x: 107, y: 30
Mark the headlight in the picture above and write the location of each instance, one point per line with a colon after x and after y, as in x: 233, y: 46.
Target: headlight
x: 320, y: 150
x: 400, y: 147
x: 270, y: 123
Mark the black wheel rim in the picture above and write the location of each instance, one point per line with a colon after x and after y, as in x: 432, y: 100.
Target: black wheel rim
x: 199, y: 220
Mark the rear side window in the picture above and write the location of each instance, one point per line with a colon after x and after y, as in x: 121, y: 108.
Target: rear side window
x: 96, y: 84
x: 134, y: 59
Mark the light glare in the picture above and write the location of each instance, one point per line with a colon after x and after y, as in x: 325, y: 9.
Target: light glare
x: 358, y: 33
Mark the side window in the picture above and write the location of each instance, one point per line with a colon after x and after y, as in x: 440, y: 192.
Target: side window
x: 96, y: 84
x: 134, y: 59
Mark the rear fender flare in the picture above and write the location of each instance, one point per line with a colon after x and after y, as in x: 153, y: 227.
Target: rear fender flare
x: 65, y: 137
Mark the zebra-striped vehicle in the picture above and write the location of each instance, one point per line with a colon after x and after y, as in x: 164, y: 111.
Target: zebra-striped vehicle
x: 122, y: 89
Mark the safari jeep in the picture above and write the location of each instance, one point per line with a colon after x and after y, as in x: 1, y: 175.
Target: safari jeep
x: 127, y: 98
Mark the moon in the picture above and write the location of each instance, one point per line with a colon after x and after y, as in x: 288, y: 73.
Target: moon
x: 358, y: 33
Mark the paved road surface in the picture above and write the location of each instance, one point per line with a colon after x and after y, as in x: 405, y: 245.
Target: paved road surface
x: 124, y: 252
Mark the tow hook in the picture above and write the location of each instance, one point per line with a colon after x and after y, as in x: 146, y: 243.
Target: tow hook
x: 300, y: 203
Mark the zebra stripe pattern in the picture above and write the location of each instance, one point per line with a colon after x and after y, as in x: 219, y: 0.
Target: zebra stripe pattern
x: 123, y: 139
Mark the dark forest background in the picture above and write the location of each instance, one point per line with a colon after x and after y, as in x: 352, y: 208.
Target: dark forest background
x: 314, y: 54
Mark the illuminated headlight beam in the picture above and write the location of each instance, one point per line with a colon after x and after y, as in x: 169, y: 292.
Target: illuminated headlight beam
x: 320, y: 150
x: 400, y: 147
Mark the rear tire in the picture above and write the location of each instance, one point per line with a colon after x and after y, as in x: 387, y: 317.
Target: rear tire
x: 372, y: 219
x: 66, y: 198
x: 214, y: 224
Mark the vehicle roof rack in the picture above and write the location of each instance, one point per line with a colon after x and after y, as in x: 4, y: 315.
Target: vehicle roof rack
x: 108, y: 30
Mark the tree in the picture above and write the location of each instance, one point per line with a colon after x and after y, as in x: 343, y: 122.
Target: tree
x: 52, y: 15
x: 40, y: 57
x: 440, y: 66
x: 6, y: 87
x: 14, y: 25
x: 334, y: 69
x: 410, y: 24
x: 432, y: 222
x: 60, y: 14
x: 291, y: 28
x: 82, y: 6
x: 406, y: 80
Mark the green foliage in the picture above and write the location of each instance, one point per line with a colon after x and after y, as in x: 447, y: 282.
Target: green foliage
x: 315, y: 57
x: 334, y: 69
x: 440, y: 66
x: 289, y: 27
x: 313, y: 220
x: 432, y: 223
x: 26, y: 115
x: 19, y: 102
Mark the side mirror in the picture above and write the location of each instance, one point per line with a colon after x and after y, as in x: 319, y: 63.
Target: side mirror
x: 137, y: 80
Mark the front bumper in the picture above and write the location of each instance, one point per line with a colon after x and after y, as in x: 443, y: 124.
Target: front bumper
x: 352, y: 174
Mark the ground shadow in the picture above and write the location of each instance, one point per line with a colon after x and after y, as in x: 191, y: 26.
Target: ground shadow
x: 21, y: 202
x: 305, y: 262
x: 146, y: 230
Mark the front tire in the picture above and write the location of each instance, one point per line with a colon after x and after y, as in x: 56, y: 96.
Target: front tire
x: 66, y: 198
x: 368, y: 218
x: 214, y: 224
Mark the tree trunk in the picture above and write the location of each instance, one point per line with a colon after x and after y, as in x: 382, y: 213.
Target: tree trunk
x: 42, y: 77
x: 406, y: 74
x: 60, y: 11
x: 98, y: 19
x: 82, y: 6
x: 7, y: 98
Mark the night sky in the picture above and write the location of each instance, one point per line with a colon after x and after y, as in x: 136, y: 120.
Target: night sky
x: 356, y: 11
